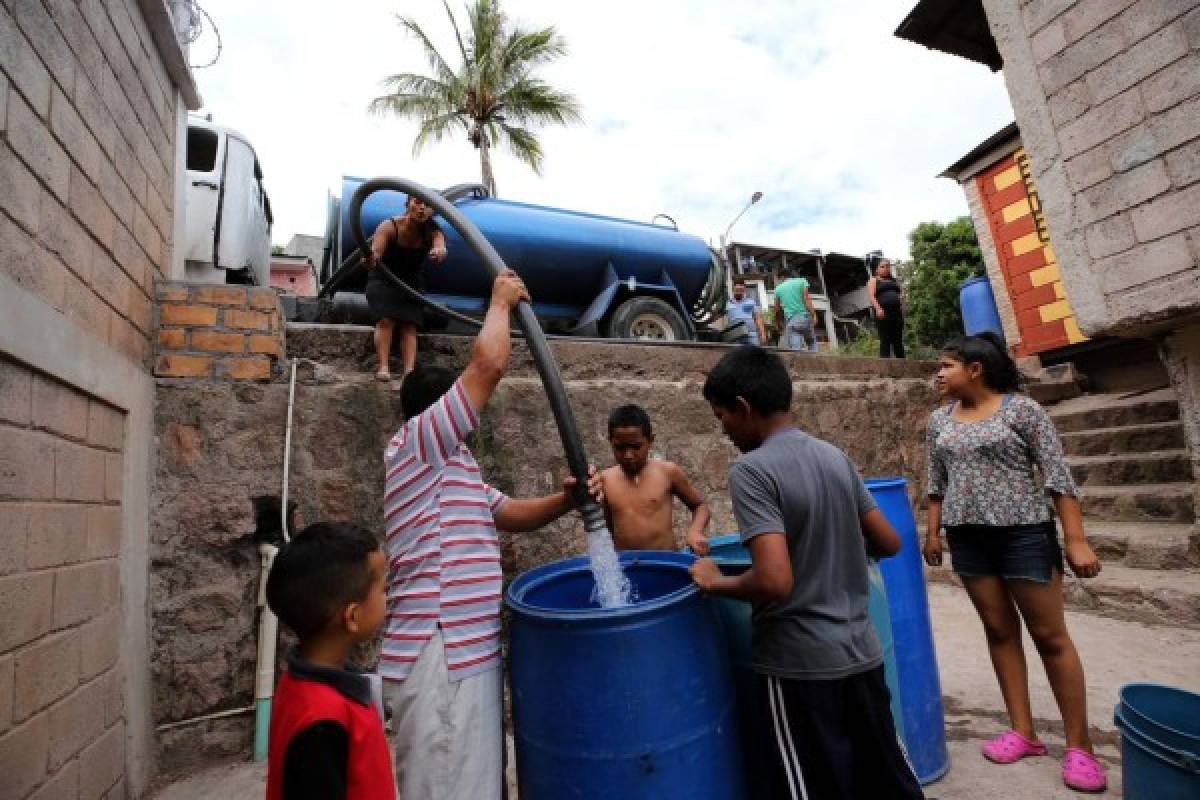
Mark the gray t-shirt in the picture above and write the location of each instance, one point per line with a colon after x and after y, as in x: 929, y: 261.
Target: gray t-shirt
x: 807, y: 489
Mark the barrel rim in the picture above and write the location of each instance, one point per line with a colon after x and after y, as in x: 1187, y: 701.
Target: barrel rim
x: 885, y: 482
x: 1177, y: 758
x: 1123, y: 695
x: 546, y: 572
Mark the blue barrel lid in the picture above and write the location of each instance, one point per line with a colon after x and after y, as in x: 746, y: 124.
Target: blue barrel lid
x: 974, y: 280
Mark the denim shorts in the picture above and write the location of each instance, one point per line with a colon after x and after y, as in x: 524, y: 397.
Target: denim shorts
x: 1015, y: 552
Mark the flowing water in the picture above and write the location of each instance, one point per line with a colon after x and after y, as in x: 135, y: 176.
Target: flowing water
x: 612, y: 585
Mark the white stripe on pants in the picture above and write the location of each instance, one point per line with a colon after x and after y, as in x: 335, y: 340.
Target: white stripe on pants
x: 449, y: 734
x: 783, y: 740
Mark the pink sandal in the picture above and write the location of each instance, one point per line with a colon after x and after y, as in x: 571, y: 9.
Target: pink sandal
x: 1010, y: 747
x: 1082, y: 772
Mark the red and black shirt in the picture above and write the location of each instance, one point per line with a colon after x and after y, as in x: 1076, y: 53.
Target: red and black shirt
x: 327, y: 739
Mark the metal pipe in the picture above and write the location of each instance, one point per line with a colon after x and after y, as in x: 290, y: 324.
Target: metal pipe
x: 547, y: 368
x: 232, y: 712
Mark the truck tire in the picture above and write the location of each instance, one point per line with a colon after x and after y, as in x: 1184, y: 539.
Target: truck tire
x: 646, y: 318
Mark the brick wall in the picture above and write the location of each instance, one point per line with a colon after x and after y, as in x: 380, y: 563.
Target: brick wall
x: 90, y: 93
x: 62, y: 717
x: 87, y: 154
x: 1025, y: 256
x: 207, y: 331
x: 1107, y: 96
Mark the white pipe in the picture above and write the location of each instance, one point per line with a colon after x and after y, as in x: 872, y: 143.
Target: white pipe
x: 268, y: 623
x: 287, y: 455
x: 232, y: 712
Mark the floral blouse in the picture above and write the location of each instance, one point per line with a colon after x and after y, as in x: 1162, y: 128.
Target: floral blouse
x: 984, y: 471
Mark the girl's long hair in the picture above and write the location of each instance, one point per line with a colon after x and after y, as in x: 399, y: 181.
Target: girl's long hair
x: 1000, y: 372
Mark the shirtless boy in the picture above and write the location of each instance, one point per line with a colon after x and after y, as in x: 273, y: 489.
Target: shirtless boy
x: 640, y: 489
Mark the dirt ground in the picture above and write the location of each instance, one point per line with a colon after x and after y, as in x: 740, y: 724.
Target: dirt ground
x: 1113, y: 652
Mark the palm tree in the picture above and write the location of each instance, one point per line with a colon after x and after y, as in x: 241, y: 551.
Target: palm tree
x: 493, y: 96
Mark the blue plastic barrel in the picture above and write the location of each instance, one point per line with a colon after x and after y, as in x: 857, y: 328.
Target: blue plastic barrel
x: 916, y: 660
x: 1160, y: 742
x: 731, y: 554
x: 1150, y: 769
x: 978, y: 306
x: 634, y: 702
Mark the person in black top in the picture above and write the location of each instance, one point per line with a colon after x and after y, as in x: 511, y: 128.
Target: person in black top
x: 886, y: 298
x: 401, y: 244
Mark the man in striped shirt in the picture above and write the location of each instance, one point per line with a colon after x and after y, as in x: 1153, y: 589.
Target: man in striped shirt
x: 441, y: 646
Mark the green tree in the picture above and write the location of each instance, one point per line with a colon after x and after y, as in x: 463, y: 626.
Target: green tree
x: 493, y: 96
x: 943, y: 256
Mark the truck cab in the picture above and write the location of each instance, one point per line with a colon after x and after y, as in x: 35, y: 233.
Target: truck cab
x: 228, y: 214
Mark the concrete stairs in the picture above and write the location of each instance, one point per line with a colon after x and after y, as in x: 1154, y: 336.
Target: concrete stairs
x: 1128, y: 455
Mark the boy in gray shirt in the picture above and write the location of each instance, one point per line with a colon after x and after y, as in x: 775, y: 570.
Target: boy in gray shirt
x: 809, y: 523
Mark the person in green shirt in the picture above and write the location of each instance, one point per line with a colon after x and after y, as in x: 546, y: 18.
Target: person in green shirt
x: 794, y: 304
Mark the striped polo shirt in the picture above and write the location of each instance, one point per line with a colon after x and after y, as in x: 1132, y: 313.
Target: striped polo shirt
x: 443, y: 552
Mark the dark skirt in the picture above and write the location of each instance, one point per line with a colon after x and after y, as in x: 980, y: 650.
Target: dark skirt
x: 386, y: 301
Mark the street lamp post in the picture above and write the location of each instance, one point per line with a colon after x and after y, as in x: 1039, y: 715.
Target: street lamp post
x: 754, y: 198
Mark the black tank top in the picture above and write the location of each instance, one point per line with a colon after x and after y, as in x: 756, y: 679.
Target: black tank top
x: 887, y: 292
x: 406, y: 261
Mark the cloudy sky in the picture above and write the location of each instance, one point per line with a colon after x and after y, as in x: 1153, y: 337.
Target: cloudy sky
x: 690, y: 106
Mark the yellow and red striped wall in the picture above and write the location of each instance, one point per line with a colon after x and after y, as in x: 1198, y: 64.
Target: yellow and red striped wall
x: 1010, y: 200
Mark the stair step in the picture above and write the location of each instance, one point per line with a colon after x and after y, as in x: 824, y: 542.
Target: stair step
x: 1146, y: 438
x: 1163, y: 466
x: 1163, y: 502
x: 1146, y: 545
x: 1150, y: 596
x: 1115, y: 410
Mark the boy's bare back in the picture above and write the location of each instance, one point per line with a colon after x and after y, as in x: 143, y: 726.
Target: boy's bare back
x: 640, y: 507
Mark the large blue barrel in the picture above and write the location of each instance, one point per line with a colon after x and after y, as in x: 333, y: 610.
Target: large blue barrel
x: 634, y: 702
x: 1160, y: 742
x: 729, y: 552
x: 562, y: 255
x: 978, y: 306
x: 916, y: 661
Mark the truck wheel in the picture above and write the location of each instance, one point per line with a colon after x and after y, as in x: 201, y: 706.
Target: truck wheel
x: 646, y: 318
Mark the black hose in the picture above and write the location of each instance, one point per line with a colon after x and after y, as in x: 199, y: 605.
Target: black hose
x: 543, y: 358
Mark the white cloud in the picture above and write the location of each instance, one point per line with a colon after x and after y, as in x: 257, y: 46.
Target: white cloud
x: 689, y: 107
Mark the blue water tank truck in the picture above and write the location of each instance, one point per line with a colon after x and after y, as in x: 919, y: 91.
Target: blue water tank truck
x: 588, y: 274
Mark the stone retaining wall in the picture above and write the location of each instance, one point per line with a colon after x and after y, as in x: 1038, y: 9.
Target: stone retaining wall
x: 221, y: 446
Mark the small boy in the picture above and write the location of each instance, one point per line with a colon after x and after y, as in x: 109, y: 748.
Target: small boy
x: 640, y: 489
x: 809, y: 523
x: 327, y: 740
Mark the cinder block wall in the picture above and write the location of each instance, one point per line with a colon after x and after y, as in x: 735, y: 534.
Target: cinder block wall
x: 1107, y: 97
x: 90, y: 100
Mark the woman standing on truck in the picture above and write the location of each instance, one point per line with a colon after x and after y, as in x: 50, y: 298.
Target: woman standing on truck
x: 401, y: 244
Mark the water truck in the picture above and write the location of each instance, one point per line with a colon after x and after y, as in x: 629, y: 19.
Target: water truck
x: 588, y: 274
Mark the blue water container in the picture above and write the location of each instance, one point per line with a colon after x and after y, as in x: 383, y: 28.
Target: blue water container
x: 916, y: 660
x: 634, y: 702
x: 978, y: 306
x: 733, y: 557
x: 1160, y: 742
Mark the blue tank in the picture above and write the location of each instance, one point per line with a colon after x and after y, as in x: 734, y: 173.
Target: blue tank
x: 634, y: 703
x: 978, y: 305
x: 566, y: 258
x: 916, y: 660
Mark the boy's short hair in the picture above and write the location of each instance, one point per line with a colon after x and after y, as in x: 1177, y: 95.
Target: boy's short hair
x: 752, y: 373
x: 423, y: 387
x: 630, y: 416
x: 318, y: 572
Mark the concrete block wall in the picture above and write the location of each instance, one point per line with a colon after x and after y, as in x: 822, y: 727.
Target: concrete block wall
x: 91, y: 98
x: 87, y: 154
x: 1107, y: 97
x: 220, y: 331
x: 62, y: 709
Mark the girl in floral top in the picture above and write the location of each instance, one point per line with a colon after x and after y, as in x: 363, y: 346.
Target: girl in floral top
x: 983, y: 451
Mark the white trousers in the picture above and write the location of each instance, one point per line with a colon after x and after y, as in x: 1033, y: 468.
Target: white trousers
x: 449, y: 734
